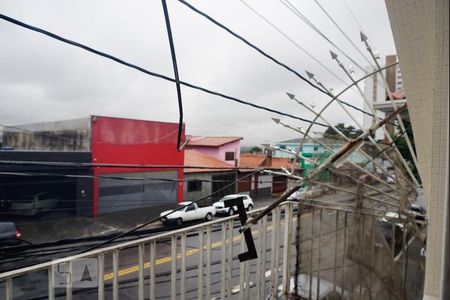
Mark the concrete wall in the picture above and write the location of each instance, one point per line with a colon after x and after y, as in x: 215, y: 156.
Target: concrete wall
x: 420, y: 31
x: 207, y: 187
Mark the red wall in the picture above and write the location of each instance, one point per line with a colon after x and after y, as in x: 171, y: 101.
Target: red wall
x: 126, y: 141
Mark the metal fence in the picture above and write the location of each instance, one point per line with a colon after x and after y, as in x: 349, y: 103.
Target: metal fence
x: 200, y: 262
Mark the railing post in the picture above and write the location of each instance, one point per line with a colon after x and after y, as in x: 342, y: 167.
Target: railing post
x: 242, y: 266
x: 288, y: 212
x: 101, y: 280
x: 208, y: 261
x: 230, y: 258
x: 173, y: 274
x: 183, y: 267
x: 51, y: 282
x: 69, y: 279
x: 311, y: 254
x: 261, y: 279
x: 336, y: 228
x: 200, y: 263
x: 319, y: 252
x: 152, y: 270
x: 223, y: 260
x: 115, y: 257
x: 9, y: 289
x: 141, y: 271
x: 275, y: 244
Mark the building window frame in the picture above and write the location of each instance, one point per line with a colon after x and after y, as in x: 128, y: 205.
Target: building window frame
x: 229, y: 156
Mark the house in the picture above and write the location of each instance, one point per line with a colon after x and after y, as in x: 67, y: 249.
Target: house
x: 202, y: 182
x: 112, y: 160
x: 224, y: 148
x: 264, y: 184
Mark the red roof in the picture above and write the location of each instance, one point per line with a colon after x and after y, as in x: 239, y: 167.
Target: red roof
x: 212, y: 141
x: 252, y: 160
x: 196, y: 158
x: 257, y: 160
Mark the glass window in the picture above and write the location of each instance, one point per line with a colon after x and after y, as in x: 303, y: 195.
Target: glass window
x: 229, y: 155
x: 194, y: 186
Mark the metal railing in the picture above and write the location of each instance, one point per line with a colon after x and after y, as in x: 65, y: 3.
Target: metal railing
x: 200, y: 262
x: 163, y: 265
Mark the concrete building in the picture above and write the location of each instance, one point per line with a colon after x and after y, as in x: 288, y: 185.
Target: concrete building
x: 202, y: 182
x: 96, y: 140
x: 420, y: 31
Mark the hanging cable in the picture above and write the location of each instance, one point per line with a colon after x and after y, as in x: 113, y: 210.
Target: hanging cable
x: 175, y: 71
x: 145, y: 71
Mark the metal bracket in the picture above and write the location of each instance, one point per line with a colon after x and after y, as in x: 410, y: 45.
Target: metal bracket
x: 251, y: 249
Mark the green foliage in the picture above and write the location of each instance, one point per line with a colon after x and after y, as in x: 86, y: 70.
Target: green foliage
x: 255, y: 150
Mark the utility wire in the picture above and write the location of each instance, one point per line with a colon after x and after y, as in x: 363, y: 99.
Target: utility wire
x: 248, y: 43
x: 294, y: 10
x: 343, y: 32
x: 151, y: 73
x: 251, y: 45
x: 292, y: 41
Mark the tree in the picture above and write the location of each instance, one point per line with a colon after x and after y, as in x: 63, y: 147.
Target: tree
x: 255, y: 150
x: 349, y: 131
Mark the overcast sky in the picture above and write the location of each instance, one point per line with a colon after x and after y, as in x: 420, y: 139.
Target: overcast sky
x: 42, y: 79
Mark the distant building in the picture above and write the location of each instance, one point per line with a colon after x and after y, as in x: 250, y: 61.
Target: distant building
x: 202, y: 182
x: 95, y: 140
x: 224, y: 148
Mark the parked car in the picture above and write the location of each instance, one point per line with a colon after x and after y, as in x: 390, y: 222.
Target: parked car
x: 190, y: 213
x: 34, y: 204
x: 222, y: 210
x: 9, y: 234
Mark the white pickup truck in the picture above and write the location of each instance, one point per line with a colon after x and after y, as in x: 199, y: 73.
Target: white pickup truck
x: 190, y: 213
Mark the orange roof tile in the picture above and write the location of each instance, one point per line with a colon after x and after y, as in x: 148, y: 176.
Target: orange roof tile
x: 212, y: 141
x: 196, y: 158
x: 278, y: 163
x: 252, y: 160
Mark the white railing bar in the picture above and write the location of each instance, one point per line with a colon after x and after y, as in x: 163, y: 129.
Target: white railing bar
x: 101, y: 272
x: 287, y: 248
x: 223, y: 260
x: 242, y: 270
x: 141, y: 271
x: 208, y: 261
x: 115, y: 258
x: 201, y: 242
x: 183, y: 267
x: 311, y: 254
x: 258, y: 261
x: 51, y: 282
x: 173, y: 268
x: 152, y: 270
x: 9, y: 289
x: 229, y: 258
x: 95, y: 252
x: 69, y: 281
x: 320, y: 252
x: 336, y: 227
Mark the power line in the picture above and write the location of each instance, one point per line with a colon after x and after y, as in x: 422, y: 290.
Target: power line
x: 343, y: 32
x: 296, y: 12
x: 151, y: 73
x: 251, y: 45
x: 319, y: 88
x: 292, y: 41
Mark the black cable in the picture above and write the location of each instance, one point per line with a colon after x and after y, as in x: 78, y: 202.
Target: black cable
x: 175, y: 71
x: 145, y: 71
x: 190, y: 6
x: 324, y: 91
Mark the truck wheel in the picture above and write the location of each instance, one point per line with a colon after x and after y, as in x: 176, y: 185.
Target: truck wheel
x: 231, y: 211
x: 208, y: 217
x: 179, y: 221
x: 250, y: 207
